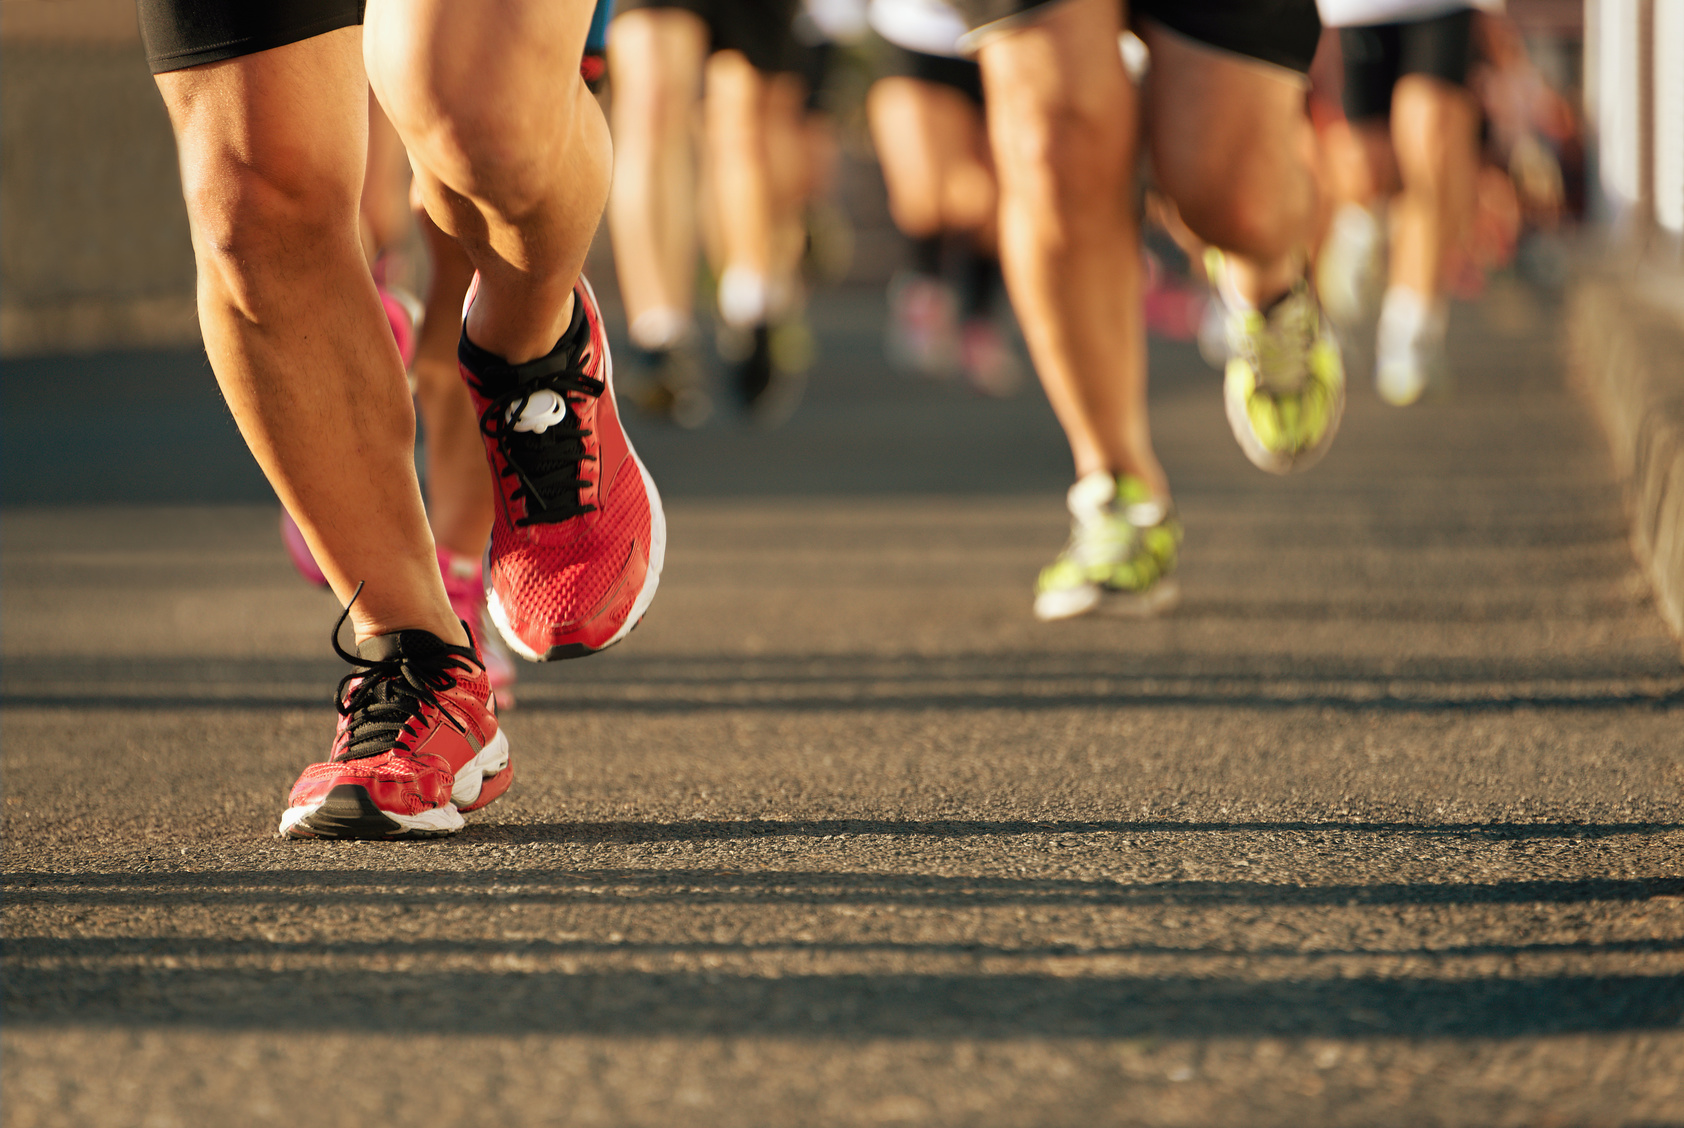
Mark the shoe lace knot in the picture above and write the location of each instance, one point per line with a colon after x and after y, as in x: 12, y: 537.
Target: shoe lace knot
x: 534, y: 418
x: 381, y: 697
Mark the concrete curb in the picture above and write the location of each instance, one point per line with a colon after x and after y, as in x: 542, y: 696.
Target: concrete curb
x: 1626, y: 338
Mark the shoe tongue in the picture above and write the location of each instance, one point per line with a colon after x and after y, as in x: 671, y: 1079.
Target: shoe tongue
x: 401, y: 644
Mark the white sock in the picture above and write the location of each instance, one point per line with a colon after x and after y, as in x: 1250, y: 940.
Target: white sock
x: 659, y: 328
x: 743, y: 297
x: 1357, y: 227
x: 1407, y: 320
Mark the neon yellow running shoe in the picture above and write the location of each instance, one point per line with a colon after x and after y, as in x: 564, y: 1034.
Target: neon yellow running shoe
x: 1285, y: 383
x: 1123, y: 545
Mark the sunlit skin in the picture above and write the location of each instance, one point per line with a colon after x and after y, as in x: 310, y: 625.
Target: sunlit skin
x: 932, y: 146
x: 1425, y: 159
x: 511, y: 157
x: 1231, y: 148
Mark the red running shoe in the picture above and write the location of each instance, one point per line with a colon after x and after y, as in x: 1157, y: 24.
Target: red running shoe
x: 418, y: 744
x: 579, y: 540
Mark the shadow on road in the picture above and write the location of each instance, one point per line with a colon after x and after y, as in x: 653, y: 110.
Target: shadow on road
x: 510, y: 1001
x: 789, y: 683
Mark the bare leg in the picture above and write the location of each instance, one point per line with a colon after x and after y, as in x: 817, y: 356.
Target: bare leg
x: 459, y: 488
x: 788, y: 176
x: 272, y: 153
x: 933, y: 148
x: 742, y: 190
x: 1234, y: 149
x: 1356, y: 162
x: 1434, y: 125
x: 655, y: 60
x: 510, y: 150
x: 1062, y: 122
x: 385, y: 201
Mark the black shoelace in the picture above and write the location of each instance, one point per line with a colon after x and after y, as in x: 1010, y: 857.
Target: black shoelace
x: 390, y: 692
x: 547, y: 464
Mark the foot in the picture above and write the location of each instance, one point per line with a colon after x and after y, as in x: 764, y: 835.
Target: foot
x: 988, y: 361
x: 579, y: 539
x: 923, y: 328
x: 1123, y: 547
x: 417, y: 745
x: 769, y: 367
x: 672, y: 385
x: 1409, y: 348
x: 1284, y: 386
x: 1348, y: 269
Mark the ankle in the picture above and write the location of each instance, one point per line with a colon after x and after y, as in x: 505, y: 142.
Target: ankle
x: 448, y: 629
x: 514, y: 340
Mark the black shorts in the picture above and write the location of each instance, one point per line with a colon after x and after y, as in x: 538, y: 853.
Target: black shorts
x: 1377, y: 55
x: 1282, y: 32
x: 962, y: 75
x: 188, y: 33
x: 763, y: 30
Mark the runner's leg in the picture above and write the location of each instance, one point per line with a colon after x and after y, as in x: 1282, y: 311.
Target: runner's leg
x: 1434, y: 127
x: 735, y: 108
x: 272, y: 150
x: 933, y: 149
x: 1233, y: 148
x: 1062, y: 121
x: 512, y: 159
x: 510, y: 149
x: 655, y: 60
x: 459, y: 487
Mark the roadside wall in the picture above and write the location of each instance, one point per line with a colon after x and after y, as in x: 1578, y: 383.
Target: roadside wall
x: 95, y: 252
x: 94, y: 246
x: 1627, y: 334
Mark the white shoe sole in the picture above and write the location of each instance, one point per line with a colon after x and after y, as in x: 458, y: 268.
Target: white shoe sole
x: 1052, y: 607
x: 493, y: 758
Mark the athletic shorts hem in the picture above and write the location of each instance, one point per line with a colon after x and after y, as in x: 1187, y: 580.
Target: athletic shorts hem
x: 1282, y: 33
x: 249, y: 45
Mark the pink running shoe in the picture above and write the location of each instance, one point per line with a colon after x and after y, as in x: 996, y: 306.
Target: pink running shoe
x: 418, y: 744
x: 464, y: 584
x: 580, y: 538
x: 403, y: 314
x: 922, y: 334
x: 990, y: 366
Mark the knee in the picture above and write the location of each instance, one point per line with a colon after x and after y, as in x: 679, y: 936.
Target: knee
x: 735, y: 104
x: 1060, y: 152
x: 1430, y: 118
x: 494, y: 137
x: 250, y: 206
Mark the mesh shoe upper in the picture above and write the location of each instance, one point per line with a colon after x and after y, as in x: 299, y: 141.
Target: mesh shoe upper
x: 415, y: 721
x: 1123, y: 540
x: 1284, y: 387
x: 577, y: 544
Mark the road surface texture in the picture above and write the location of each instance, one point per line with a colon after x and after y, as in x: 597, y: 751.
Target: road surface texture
x: 1381, y: 827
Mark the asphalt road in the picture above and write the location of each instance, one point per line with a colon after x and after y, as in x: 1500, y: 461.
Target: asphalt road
x: 1382, y: 826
